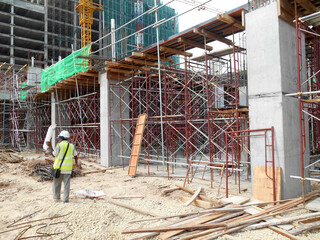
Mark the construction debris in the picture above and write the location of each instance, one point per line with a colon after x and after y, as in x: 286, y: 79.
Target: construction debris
x: 314, y: 205
x: 9, y: 156
x: 240, y: 218
x: 43, y: 171
x: 42, y: 167
x: 211, y: 202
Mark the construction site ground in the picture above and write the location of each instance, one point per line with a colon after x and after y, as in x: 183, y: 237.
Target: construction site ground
x: 24, y: 196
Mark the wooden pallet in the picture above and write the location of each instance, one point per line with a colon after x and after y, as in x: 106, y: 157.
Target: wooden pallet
x: 136, y: 145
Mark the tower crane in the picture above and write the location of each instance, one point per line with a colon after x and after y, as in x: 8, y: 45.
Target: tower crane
x: 86, y: 9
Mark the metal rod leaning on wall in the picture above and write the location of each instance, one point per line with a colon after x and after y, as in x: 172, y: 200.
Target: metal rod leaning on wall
x: 301, y: 115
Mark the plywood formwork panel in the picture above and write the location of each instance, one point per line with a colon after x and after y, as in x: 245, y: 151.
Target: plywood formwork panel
x: 262, y: 185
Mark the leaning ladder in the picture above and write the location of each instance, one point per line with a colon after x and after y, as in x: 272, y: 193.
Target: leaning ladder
x: 17, y: 137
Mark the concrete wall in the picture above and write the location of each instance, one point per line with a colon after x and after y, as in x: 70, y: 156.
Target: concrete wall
x: 272, y: 72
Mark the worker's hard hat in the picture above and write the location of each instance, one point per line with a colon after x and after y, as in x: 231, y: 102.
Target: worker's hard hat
x: 64, y: 134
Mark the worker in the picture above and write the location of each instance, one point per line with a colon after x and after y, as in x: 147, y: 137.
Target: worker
x: 66, y: 166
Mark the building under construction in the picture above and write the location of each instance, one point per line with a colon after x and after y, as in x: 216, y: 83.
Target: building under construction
x: 250, y: 107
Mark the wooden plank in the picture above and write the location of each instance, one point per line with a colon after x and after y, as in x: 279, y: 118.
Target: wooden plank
x: 195, y: 195
x: 136, y: 148
x: 198, y: 234
x: 282, y: 221
x: 308, y: 227
x: 273, y: 210
x: 316, y: 100
x: 256, y: 210
x: 314, y: 205
x: 195, y: 44
x: 283, y: 233
x: 262, y: 185
x: 204, y: 198
x: 310, y: 220
x: 212, y: 35
x: 87, y: 74
x: 122, y: 65
x: 186, y: 227
x: 127, y: 197
x: 236, y: 200
x: 141, y: 62
x: 197, y: 202
x: 175, y: 51
x: 165, y: 217
x: 151, y: 56
x: 118, y: 70
x: 117, y: 76
x: 121, y: 204
x: 230, y: 20
x: 194, y: 235
x: 199, y: 220
x: 309, y: 6
x: 170, y: 190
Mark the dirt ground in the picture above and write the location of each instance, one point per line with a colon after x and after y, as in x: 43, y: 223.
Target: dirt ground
x: 24, y: 196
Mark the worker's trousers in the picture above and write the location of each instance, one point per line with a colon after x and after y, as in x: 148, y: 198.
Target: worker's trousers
x: 56, y: 187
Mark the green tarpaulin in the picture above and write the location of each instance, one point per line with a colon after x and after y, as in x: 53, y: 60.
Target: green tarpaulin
x: 65, y: 68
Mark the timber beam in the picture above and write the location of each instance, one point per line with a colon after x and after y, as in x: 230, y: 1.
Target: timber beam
x: 119, y: 70
x: 309, y: 6
x: 122, y: 65
x: 152, y: 57
x: 87, y: 74
x: 117, y: 76
x: 212, y: 35
x: 230, y: 20
x: 141, y: 62
x: 175, y: 51
x: 195, y: 44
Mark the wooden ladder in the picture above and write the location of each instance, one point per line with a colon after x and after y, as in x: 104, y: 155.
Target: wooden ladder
x: 136, y: 145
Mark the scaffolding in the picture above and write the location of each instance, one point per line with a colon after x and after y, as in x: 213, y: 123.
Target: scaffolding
x: 18, y: 88
x: 189, y: 111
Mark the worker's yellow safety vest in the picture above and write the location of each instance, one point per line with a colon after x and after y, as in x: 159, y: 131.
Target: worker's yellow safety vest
x: 66, y: 167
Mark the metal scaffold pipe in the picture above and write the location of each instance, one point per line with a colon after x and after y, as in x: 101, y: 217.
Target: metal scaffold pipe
x: 159, y: 77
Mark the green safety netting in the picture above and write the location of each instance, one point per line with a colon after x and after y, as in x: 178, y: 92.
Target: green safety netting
x: 24, y: 93
x: 65, y: 68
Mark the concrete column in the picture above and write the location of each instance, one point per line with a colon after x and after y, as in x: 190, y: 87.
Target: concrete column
x: 12, y: 36
x: 53, y: 118
x: 45, y: 33
x: 272, y: 72
x: 104, y: 120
